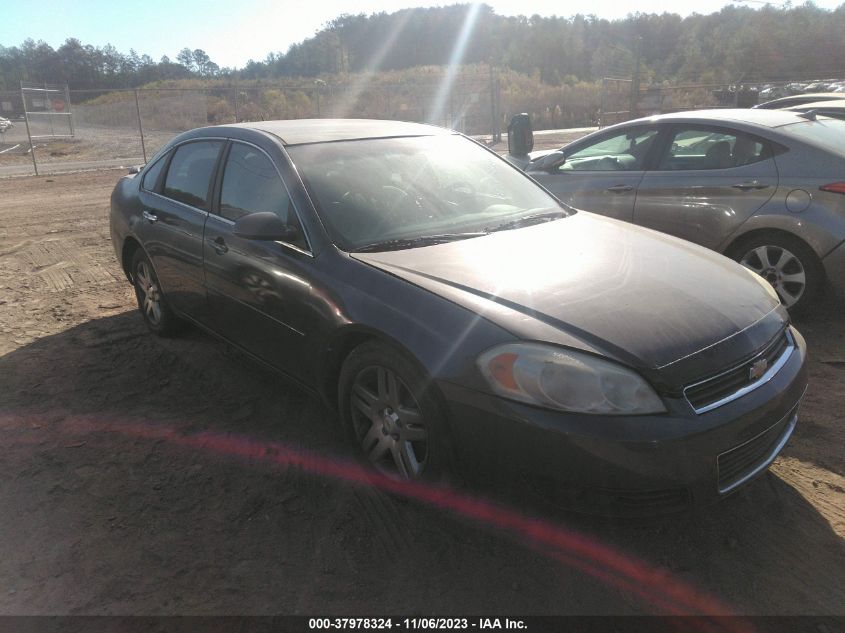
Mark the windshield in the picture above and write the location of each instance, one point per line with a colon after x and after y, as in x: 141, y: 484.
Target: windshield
x: 826, y: 133
x: 397, y: 190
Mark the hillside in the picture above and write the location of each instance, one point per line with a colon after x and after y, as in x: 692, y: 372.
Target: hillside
x: 736, y: 43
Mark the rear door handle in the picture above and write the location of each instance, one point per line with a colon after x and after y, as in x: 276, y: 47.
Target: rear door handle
x: 620, y: 188
x: 219, y: 245
x: 749, y: 185
x: 149, y: 217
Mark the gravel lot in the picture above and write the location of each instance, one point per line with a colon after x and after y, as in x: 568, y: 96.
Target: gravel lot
x: 149, y: 476
x: 91, y: 147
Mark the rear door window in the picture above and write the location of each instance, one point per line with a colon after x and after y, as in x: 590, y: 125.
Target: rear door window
x: 700, y: 148
x: 151, y: 178
x: 189, y: 175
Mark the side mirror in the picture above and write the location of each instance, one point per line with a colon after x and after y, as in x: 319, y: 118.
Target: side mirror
x: 135, y: 169
x: 265, y: 226
x: 520, y: 135
x: 548, y: 163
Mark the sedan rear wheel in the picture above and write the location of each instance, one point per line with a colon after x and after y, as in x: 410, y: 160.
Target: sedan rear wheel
x: 151, y: 300
x: 790, y: 266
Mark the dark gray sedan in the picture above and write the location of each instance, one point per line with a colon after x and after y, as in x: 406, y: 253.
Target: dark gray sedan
x: 764, y: 187
x: 456, y: 314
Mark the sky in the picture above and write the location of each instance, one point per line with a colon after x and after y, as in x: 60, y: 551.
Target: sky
x: 238, y: 30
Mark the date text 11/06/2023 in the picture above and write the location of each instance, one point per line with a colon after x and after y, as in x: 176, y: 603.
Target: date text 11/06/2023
x: 411, y: 624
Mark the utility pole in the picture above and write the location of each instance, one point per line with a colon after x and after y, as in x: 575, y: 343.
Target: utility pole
x: 635, y: 82
x: 603, y: 104
x: 28, y: 132
x: 493, y: 120
x: 140, y: 126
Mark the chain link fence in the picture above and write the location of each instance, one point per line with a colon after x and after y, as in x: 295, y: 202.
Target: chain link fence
x: 88, y: 129
x: 110, y: 128
x: 619, y: 103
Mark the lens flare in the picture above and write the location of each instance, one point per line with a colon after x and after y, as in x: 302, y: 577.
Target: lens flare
x: 458, y: 51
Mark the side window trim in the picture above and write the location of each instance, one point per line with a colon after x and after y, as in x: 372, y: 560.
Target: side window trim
x: 660, y: 146
x: 218, y: 190
x: 214, y: 207
x: 212, y: 181
x: 160, y: 178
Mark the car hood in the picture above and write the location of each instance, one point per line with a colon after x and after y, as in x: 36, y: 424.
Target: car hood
x: 646, y: 298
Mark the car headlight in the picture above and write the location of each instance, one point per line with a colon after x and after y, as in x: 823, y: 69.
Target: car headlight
x: 562, y: 379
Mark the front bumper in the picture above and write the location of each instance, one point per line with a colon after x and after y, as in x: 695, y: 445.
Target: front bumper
x: 648, y: 463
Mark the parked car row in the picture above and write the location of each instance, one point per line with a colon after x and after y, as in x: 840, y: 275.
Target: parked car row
x: 457, y: 315
x: 770, y: 92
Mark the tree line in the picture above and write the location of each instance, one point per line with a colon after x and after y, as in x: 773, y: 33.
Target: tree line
x: 738, y: 43
x: 85, y: 66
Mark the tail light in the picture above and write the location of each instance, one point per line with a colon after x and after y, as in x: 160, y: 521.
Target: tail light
x: 834, y: 187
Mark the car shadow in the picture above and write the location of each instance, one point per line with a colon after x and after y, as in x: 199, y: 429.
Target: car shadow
x: 119, y: 508
x: 821, y: 433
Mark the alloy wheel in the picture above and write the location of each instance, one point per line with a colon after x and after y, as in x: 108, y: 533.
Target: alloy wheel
x: 150, y: 294
x: 781, y: 268
x: 388, y: 423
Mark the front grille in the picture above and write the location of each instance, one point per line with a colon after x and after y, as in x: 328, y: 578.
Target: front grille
x: 740, y: 463
x: 716, y: 390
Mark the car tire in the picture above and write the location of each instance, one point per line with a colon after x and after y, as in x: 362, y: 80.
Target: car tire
x: 787, y: 263
x: 391, y: 414
x: 152, y: 303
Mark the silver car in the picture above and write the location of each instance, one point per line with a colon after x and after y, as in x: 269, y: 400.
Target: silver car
x: 764, y: 187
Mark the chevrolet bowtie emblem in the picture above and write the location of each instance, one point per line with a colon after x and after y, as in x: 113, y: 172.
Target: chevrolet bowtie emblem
x: 757, y: 369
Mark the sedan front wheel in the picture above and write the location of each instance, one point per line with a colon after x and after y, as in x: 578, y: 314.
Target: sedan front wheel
x: 391, y: 414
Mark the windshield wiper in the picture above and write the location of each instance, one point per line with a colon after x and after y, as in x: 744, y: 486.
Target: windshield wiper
x: 416, y: 242
x: 528, y: 220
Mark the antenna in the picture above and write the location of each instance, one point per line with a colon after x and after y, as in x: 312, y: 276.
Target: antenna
x: 810, y: 115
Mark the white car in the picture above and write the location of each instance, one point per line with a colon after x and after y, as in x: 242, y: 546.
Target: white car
x: 5, y: 124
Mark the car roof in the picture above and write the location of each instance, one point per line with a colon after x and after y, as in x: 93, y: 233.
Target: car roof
x: 764, y: 118
x: 302, y: 131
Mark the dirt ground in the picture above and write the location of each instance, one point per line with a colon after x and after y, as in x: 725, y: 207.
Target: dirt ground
x: 141, y: 475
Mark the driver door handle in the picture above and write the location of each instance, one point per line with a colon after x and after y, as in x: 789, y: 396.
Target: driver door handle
x: 149, y: 217
x: 620, y: 188
x: 219, y: 245
x: 749, y: 185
